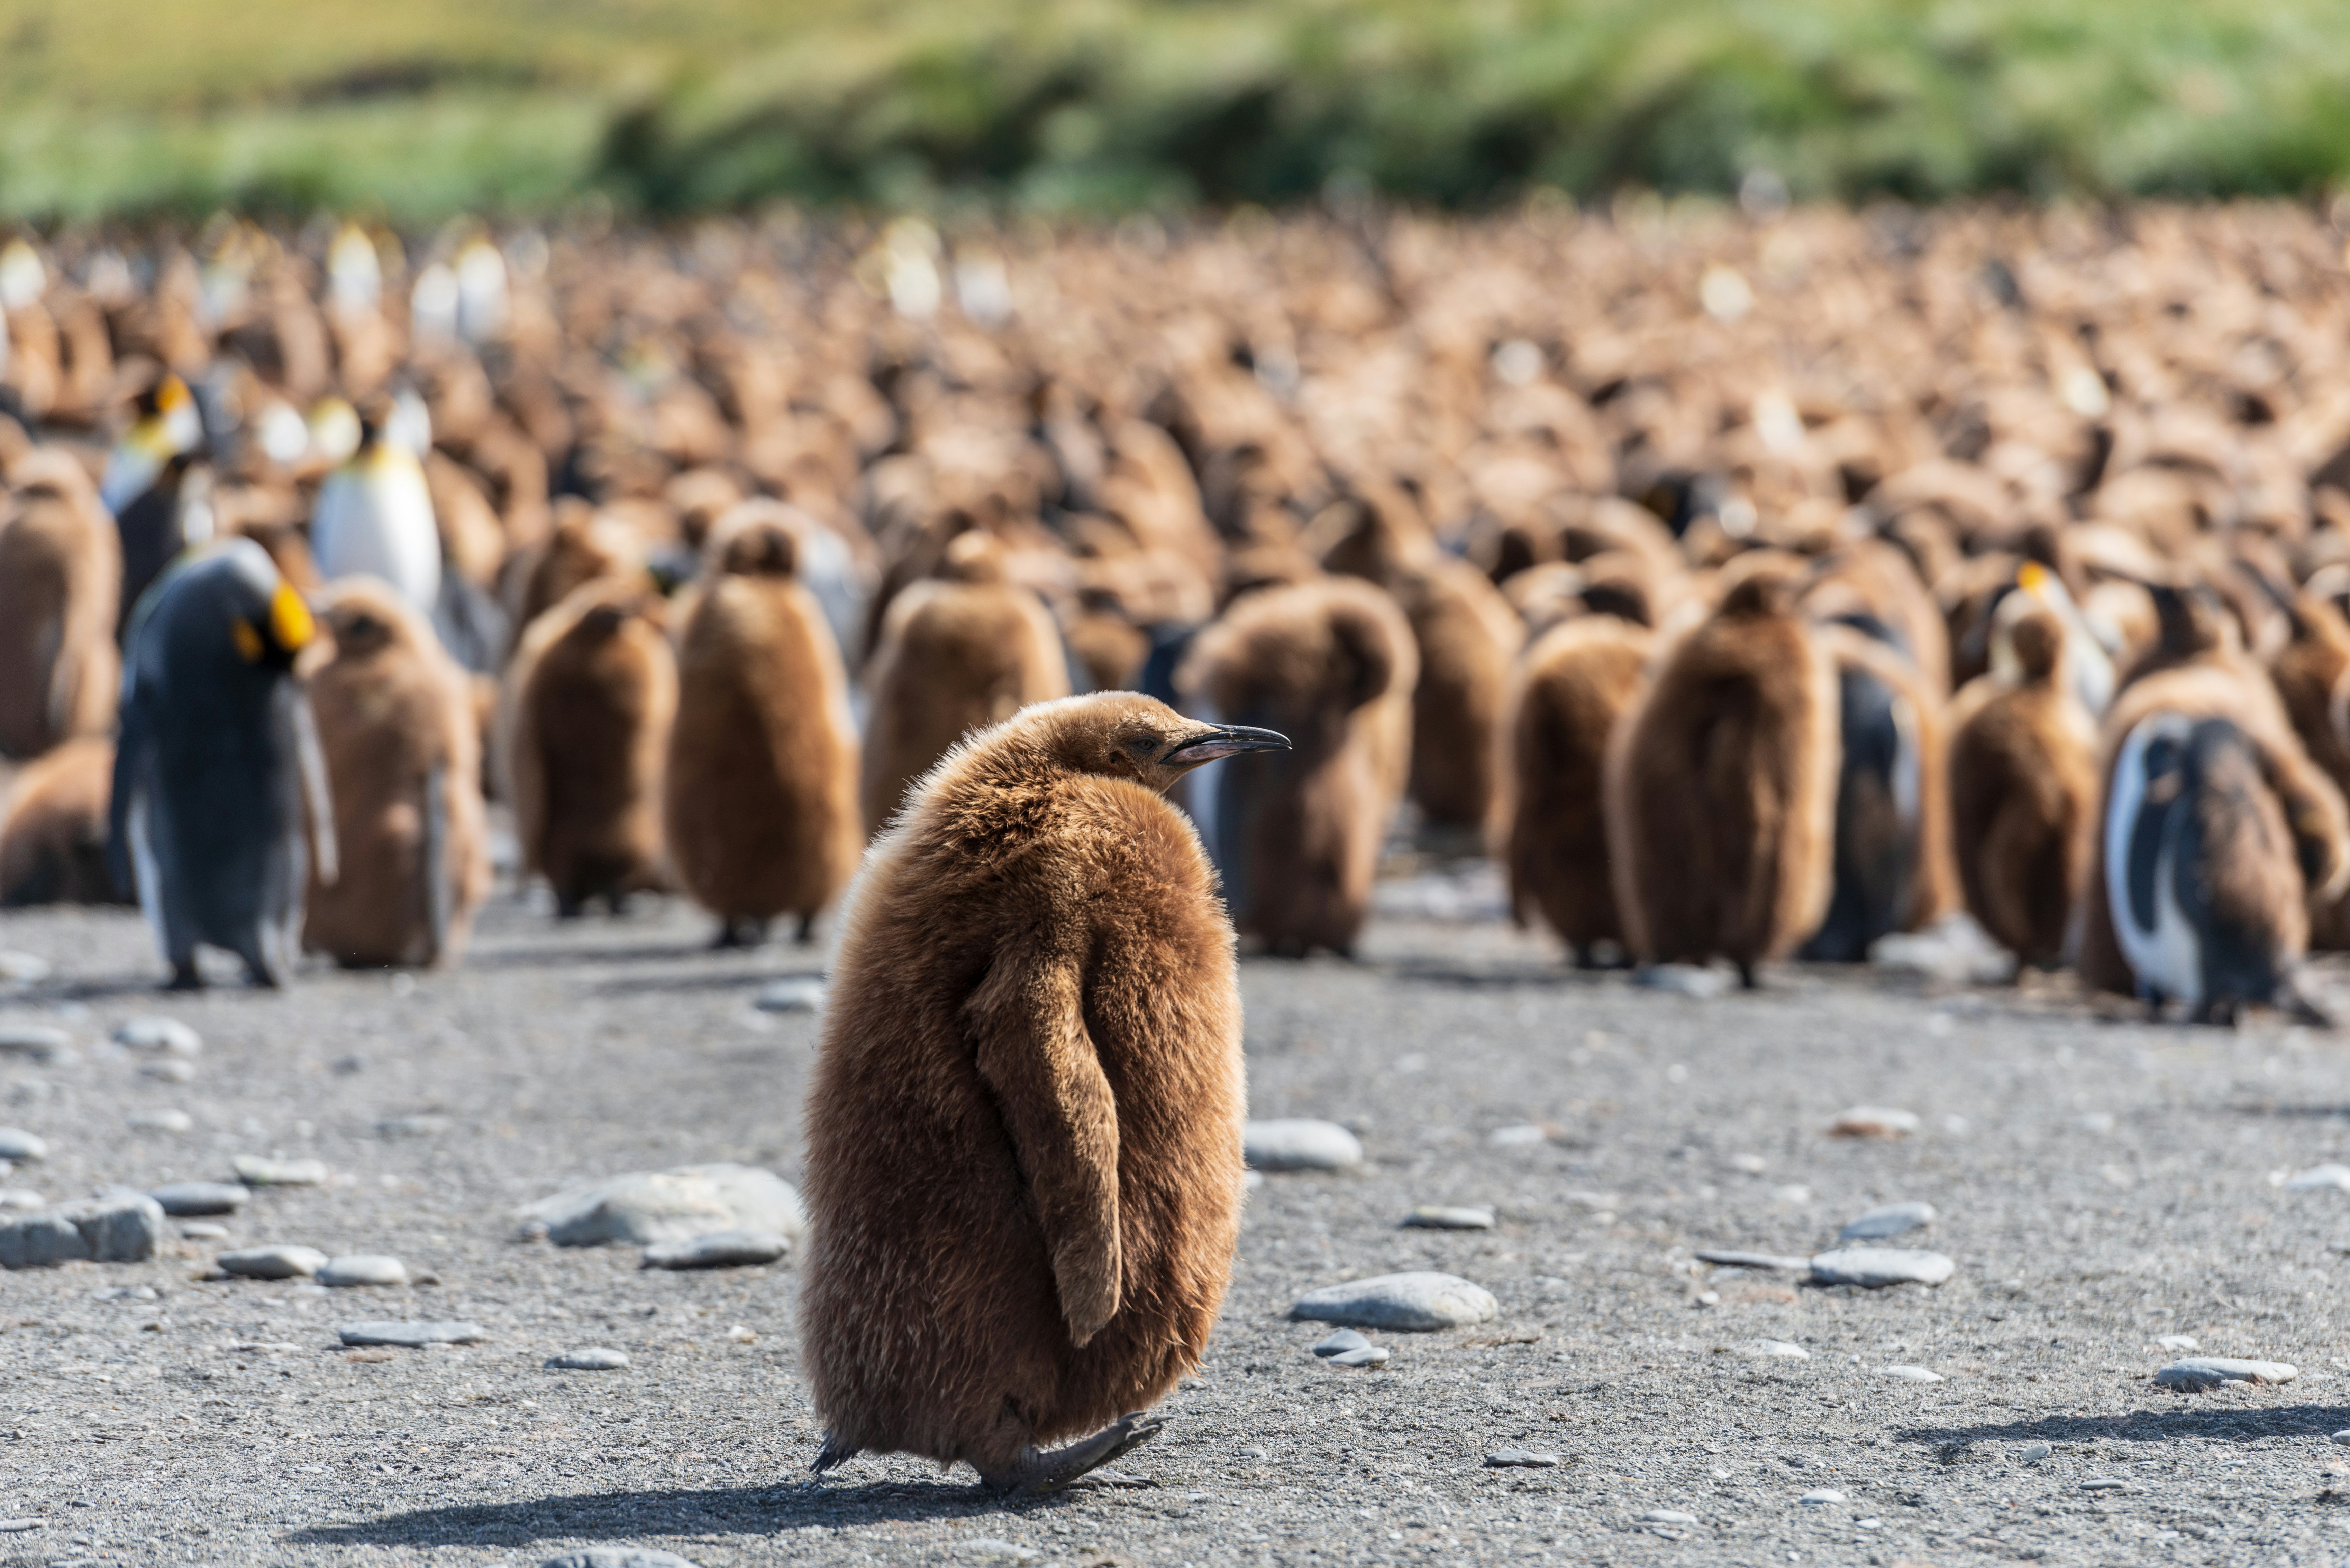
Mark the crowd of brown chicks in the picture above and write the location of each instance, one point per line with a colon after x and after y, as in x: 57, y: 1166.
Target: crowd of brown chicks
x: 1750, y: 587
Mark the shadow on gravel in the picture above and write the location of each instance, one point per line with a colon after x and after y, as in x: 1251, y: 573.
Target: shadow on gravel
x: 632, y: 1515
x: 584, y: 955
x: 1951, y: 1443
x: 1498, y: 977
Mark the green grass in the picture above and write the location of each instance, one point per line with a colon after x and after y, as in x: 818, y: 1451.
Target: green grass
x: 430, y: 106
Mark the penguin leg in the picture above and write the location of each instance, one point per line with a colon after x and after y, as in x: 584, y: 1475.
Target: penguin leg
x: 1038, y: 1472
x: 1746, y: 981
x: 185, y: 976
x: 569, y: 906
x: 806, y: 933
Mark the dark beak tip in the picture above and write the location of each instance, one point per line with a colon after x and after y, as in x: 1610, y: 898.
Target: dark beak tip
x: 1231, y: 741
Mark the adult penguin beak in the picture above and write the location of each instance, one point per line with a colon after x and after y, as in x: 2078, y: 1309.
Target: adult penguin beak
x: 1225, y: 740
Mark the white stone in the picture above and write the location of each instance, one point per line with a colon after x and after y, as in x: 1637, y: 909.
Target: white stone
x: 1775, y: 1347
x: 1874, y: 1121
x: 2342, y: 1437
x: 1000, y: 1550
x: 1365, y: 1355
x: 2032, y: 1453
x: 16, y: 1143
x: 1299, y: 1143
x: 1410, y: 1301
x: 1667, y: 1516
x: 1519, y: 1135
x: 203, y: 1230
x: 276, y: 1262
x: 647, y: 1207
x: 718, y: 1249
x: 1681, y: 979
x: 155, y: 1033
x: 255, y: 1171
x: 1912, y: 1375
x: 1521, y: 1458
x: 1341, y: 1342
x: 413, y: 1336
x: 596, y: 1358
x: 1954, y: 949
x: 1875, y: 1266
x: 1889, y: 1220
x: 363, y: 1269
x: 37, y: 1043
x: 21, y: 1198
x: 160, y: 1121
x: 2318, y: 1177
x: 1434, y: 1217
x: 189, y: 1199
x: 2179, y: 1342
x: 2200, y: 1374
x: 22, y: 968
x: 792, y: 993
x: 1821, y: 1497
x: 169, y: 1070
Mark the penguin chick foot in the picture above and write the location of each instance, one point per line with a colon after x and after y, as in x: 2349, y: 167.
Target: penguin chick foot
x: 834, y: 1452
x: 1039, y: 1474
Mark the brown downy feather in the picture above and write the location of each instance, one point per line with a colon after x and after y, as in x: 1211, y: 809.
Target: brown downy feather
x: 398, y: 728
x: 761, y: 801
x: 1331, y: 665
x: 1023, y: 1167
x: 53, y: 827
x: 61, y: 571
x: 2312, y: 676
x: 1721, y: 786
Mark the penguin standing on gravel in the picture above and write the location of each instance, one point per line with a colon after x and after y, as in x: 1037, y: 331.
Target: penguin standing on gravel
x: 1023, y: 1166
x: 217, y: 760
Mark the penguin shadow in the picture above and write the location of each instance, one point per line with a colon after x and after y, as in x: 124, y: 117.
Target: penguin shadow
x: 750, y: 981
x: 1955, y: 1444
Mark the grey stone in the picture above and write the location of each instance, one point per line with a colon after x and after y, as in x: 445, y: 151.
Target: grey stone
x: 169, y: 1070
x: 1432, y: 1216
x: 1821, y: 1497
x: 1725, y: 1258
x: 999, y: 1551
x: 363, y: 1269
x: 1519, y: 1135
x: 597, y: 1358
x: 203, y: 1230
x: 1299, y: 1143
x: 37, y: 1043
x: 2107, y: 1483
x: 186, y: 1199
x: 1667, y: 1516
x: 36, y: 1241
x: 1954, y: 949
x: 618, y: 1557
x: 1367, y: 1355
x: 2320, y: 1177
x: 22, y: 968
x: 255, y: 1171
x: 1874, y: 1121
x: 155, y: 1033
x: 169, y: 1121
x: 2342, y: 1437
x: 718, y: 1249
x: 1519, y: 1459
x: 413, y: 1336
x: 1775, y: 1347
x: 1338, y: 1343
x: 273, y: 1263
x: 1913, y: 1375
x: 2179, y: 1342
x: 792, y: 993
x: 2200, y: 1374
x: 120, y: 1227
x: 1878, y: 1266
x: 16, y: 1144
x: 1410, y: 1301
x: 1681, y: 979
x: 21, y: 1198
x: 423, y: 1123
x: 2032, y: 1453
x: 647, y: 1207
x: 1888, y: 1220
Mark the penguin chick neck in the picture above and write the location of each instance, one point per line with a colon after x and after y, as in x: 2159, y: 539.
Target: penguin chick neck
x: 1116, y: 735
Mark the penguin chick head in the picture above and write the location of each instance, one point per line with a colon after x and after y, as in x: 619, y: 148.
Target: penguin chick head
x: 1125, y: 735
x: 363, y: 617
x: 757, y: 547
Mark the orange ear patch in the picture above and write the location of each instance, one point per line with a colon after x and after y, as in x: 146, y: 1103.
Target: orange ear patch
x: 289, y: 620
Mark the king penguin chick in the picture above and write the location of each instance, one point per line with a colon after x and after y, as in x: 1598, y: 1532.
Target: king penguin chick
x: 1721, y: 786
x: 761, y: 786
x: 1023, y: 1163
x: 53, y: 827
x: 1332, y: 664
x: 955, y: 654
x: 374, y: 518
x: 396, y: 725
x: 586, y: 709
x: 217, y: 754
x: 1576, y: 682
x: 60, y: 568
x: 2024, y: 791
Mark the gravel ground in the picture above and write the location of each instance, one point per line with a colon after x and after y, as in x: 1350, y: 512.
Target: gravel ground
x: 2102, y: 1180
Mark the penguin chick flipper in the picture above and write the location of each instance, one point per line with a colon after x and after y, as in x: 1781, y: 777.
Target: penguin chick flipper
x: 834, y: 1452
x: 1040, y: 1473
x: 1034, y: 1052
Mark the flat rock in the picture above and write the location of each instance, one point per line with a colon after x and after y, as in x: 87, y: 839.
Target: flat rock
x: 648, y: 1207
x: 363, y: 1269
x: 1888, y: 1221
x: 618, y: 1557
x: 423, y: 1123
x: 1667, y: 1516
x: 37, y: 1240
x: 1367, y: 1355
x: 1681, y: 979
x: 596, y: 1358
x: 2179, y: 1342
x: 988, y: 1547
x: 1954, y: 949
x: 1874, y: 1121
x: 188, y: 1199
x: 37, y: 1043
x: 1519, y: 1135
x: 718, y: 1249
x: 156, y: 1032
x: 1413, y: 1302
x: 2319, y: 1178
x: 16, y: 1144
x: 169, y: 1070
x: 413, y: 1336
x: 1875, y: 1266
x: 1821, y: 1497
x: 1338, y: 1343
x: 792, y: 993
x: 2201, y: 1373
x: 203, y: 1230
x: 169, y: 1121
x: 1775, y: 1347
x: 119, y: 1228
x: 1299, y: 1143
x: 21, y: 1198
x: 22, y: 968
x: 1912, y: 1375
x: 255, y: 1171
x: 273, y: 1263
x: 1434, y: 1217
x: 1519, y: 1459
x: 1727, y: 1258
x: 2032, y: 1453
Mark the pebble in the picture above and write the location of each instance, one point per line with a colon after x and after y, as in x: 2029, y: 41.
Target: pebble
x: 1433, y: 1217
x: 987, y: 1546
x: 618, y: 1557
x: 1874, y: 1121
x: 363, y: 1269
x: 2200, y: 1374
x: 119, y: 1228
x: 18, y: 1526
x: 2320, y: 1176
x: 1913, y: 1375
x: 645, y: 1209
x: 1681, y: 979
x: 2179, y: 1342
x: 1821, y: 1497
x: 160, y: 1121
x: 414, y: 1335
x: 1775, y: 1347
x: 1954, y: 949
x: 203, y: 1230
x: 21, y: 1198
x: 169, y: 1070
x: 718, y: 1249
x: 255, y: 1171
x: 155, y: 1033
x: 273, y: 1263
x: 1875, y: 1266
x: 2106, y: 1484
x: 792, y: 993
x: 2098, y: 1122
x: 1519, y: 1459
x: 597, y: 1358
x: 1519, y: 1135
x: 1728, y: 1259
x: 37, y: 1043
x: 1338, y: 1343
x: 22, y: 968
x: 1889, y: 1220
x: 1368, y: 1355
x: 1667, y: 1516
x: 1410, y: 1301
x: 17, y: 1143
x: 424, y: 1124
x: 187, y: 1200
x: 1299, y: 1143
x: 2032, y: 1453
x: 2342, y: 1437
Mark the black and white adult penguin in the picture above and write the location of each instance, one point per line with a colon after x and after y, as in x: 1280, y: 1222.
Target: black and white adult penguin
x: 216, y: 758
x: 374, y: 515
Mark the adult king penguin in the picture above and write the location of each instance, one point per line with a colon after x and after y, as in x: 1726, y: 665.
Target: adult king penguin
x: 1023, y: 1167
x: 374, y: 516
x: 216, y: 757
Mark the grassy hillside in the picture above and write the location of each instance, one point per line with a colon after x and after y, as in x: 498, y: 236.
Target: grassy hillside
x: 417, y: 109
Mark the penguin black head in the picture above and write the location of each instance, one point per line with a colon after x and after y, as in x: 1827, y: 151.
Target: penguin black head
x: 272, y: 633
x: 1124, y: 734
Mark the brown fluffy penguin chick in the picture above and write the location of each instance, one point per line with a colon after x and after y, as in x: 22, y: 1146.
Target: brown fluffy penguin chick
x: 398, y: 728
x: 1574, y: 687
x: 1331, y: 665
x: 1024, y: 1160
x: 585, y: 718
x: 1721, y: 786
x: 2024, y: 794
x: 955, y: 654
x: 61, y: 571
x: 53, y: 827
x: 760, y: 793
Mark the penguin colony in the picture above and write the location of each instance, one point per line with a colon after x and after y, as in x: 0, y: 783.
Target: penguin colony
x: 1765, y: 589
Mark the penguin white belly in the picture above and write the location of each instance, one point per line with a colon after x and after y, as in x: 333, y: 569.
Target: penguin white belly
x: 144, y: 872
x: 2162, y: 952
x: 374, y: 518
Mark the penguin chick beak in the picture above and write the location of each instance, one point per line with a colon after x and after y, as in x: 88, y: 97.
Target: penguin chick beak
x: 1229, y: 741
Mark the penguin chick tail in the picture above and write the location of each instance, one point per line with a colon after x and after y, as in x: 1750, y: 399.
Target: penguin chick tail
x: 834, y: 1451
x: 2296, y: 1003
